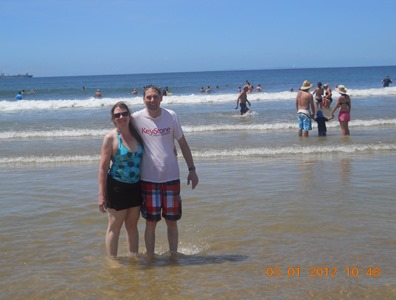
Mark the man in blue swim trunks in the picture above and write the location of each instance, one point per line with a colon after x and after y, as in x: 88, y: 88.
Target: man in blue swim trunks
x: 305, y: 109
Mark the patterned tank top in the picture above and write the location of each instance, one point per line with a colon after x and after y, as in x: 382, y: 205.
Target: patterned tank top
x: 126, y: 164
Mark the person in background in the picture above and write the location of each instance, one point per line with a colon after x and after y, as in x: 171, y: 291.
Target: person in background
x: 386, y: 81
x: 249, y: 86
x: 165, y: 91
x: 119, y: 182
x: 327, y: 99
x: 160, y: 178
x: 19, y: 96
x: 135, y: 92
x: 321, y: 120
x: 344, y: 105
x: 98, y: 94
x: 305, y: 109
x: 258, y: 88
x: 318, y: 92
x: 242, y: 99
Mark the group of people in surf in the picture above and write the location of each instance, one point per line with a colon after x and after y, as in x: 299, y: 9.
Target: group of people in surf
x: 307, y: 109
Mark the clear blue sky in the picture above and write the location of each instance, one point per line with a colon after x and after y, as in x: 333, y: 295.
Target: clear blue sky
x: 95, y: 37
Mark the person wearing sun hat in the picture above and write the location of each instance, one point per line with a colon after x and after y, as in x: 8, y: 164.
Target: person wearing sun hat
x: 305, y: 109
x: 344, y: 106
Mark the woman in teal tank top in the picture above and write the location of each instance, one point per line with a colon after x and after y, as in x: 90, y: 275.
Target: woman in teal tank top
x: 119, y: 176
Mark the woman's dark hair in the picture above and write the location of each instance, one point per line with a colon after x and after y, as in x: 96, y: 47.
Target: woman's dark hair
x: 132, y: 128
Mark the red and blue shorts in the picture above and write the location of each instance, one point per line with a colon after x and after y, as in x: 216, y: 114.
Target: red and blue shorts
x: 163, y: 197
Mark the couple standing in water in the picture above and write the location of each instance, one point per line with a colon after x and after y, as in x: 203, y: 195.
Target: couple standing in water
x: 306, y: 109
x: 139, y: 172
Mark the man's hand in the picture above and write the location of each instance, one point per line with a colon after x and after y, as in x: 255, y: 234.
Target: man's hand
x: 193, y: 178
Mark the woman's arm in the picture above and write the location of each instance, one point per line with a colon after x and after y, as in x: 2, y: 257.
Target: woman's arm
x: 105, y: 157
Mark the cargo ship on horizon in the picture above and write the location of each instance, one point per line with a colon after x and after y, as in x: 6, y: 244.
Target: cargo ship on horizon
x: 27, y: 75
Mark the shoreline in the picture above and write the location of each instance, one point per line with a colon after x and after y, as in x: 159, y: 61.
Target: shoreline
x: 244, y: 217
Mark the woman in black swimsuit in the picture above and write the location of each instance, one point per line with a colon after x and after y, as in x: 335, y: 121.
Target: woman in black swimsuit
x: 328, y: 96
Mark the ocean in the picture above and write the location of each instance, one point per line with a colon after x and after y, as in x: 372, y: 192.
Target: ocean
x: 275, y: 216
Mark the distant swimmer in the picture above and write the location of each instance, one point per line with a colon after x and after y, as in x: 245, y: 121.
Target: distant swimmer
x: 32, y: 91
x: 209, y: 89
x: 19, y: 96
x: 258, y: 88
x: 135, y: 92
x: 249, y: 86
x: 242, y: 99
x: 202, y: 90
x: 98, y: 94
x: 386, y: 81
x: 165, y: 91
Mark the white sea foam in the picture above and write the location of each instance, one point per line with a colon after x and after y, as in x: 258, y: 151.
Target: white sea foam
x: 283, y: 126
x: 52, y: 134
x: 72, y: 133
x: 240, y: 153
x: 47, y: 160
x: 292, y: 150
x: 174, y: 99
x: 64, y: 104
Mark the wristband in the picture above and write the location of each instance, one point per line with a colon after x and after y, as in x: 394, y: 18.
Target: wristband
x: 191, y: 168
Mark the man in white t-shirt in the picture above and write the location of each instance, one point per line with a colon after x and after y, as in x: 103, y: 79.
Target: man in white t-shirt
x: 160, y: 176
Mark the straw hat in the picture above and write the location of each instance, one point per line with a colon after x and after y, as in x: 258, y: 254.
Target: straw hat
x: 341, y: 89
x: 306, y: 85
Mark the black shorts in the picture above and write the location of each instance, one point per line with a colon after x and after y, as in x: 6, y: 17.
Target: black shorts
x: 121, y: 195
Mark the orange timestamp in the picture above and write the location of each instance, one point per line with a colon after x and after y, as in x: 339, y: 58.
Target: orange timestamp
x: 322, y: 272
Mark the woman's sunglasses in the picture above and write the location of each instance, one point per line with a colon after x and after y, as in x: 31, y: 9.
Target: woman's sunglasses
x: 118, y: 115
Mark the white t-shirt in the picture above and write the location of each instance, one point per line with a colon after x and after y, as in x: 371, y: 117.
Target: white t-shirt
x: 159, y: 163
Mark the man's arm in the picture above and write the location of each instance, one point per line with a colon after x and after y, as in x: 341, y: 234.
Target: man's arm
x: 185, y: 149
x: 238, y: 100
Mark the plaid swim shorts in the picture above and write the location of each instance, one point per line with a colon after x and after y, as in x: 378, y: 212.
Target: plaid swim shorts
x: 161, y: 196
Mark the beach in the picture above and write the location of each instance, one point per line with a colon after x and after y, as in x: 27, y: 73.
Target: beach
x: 275, y: 216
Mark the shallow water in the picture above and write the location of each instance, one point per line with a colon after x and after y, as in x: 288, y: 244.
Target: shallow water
x: 244, y: 220
x: 274, y: 216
